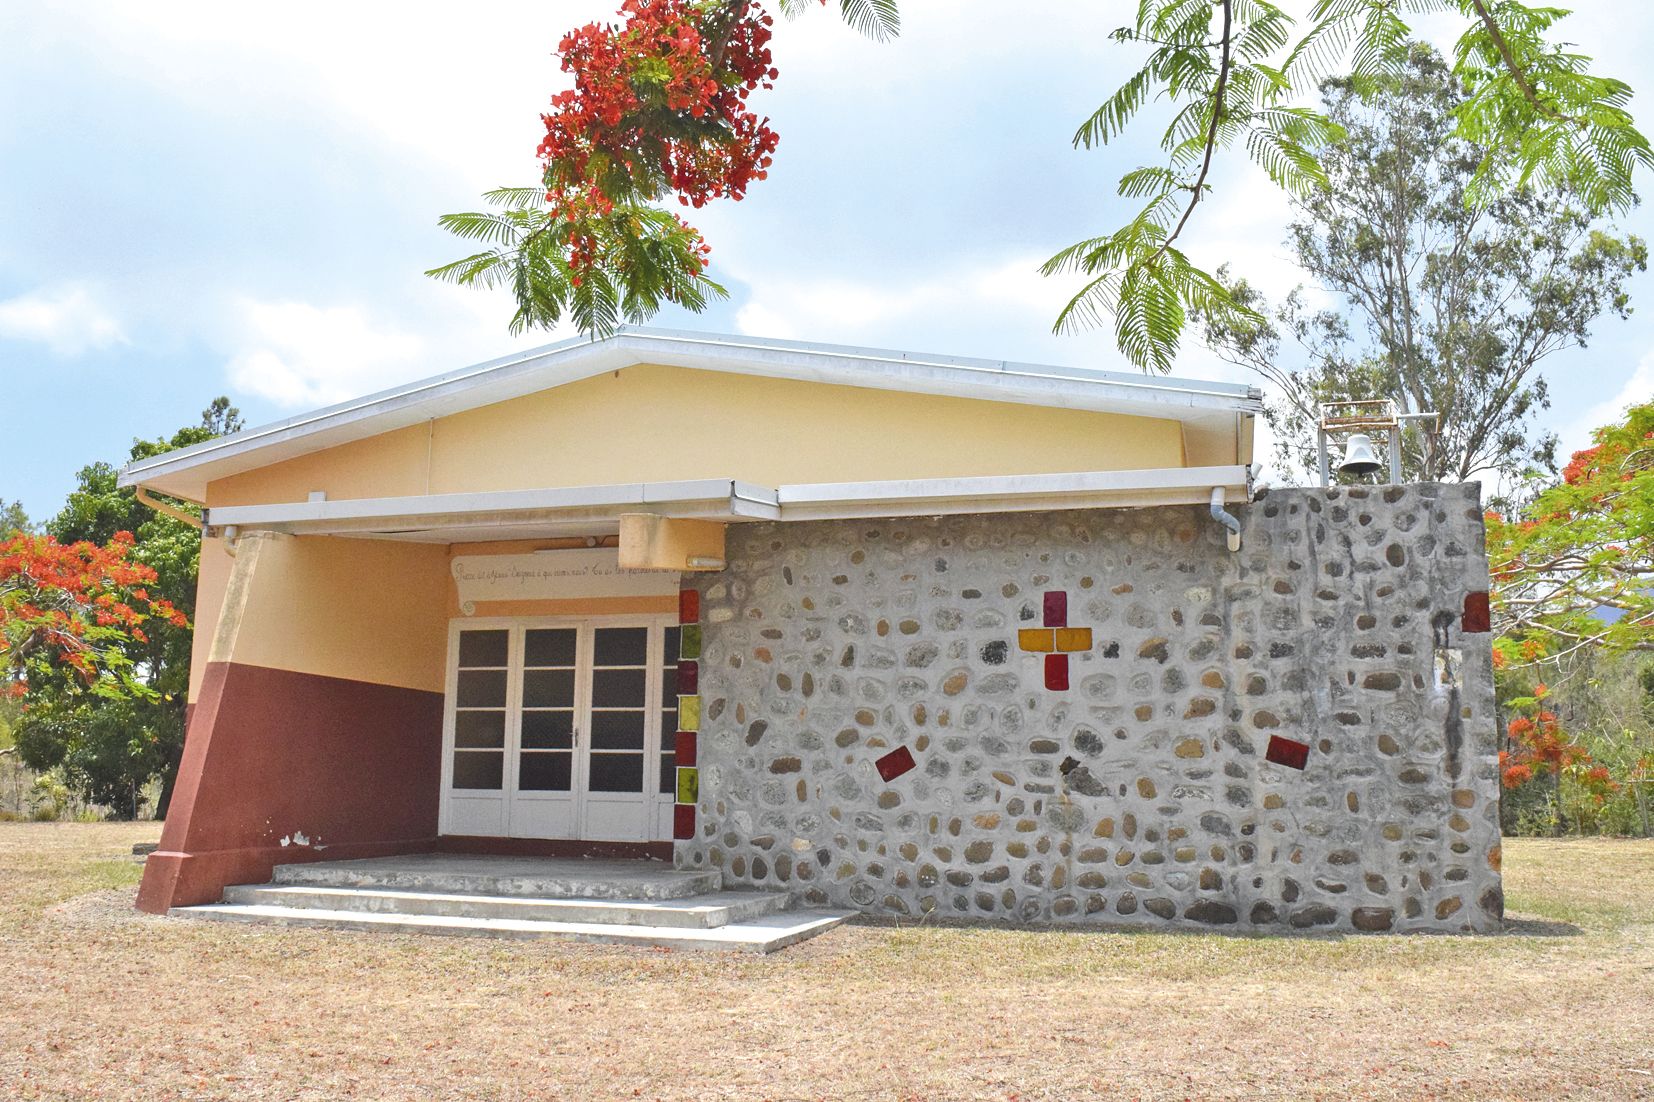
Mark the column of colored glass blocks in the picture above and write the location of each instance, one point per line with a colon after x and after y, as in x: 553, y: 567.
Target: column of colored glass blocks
x: 689, y: 714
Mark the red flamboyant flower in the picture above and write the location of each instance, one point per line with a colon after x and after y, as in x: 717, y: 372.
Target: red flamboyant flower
x: 72, y: 604
x: 659, y: 106
x: 1540, y: 746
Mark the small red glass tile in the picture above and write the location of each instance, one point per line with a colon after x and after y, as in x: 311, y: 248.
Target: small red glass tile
x: 683, y: 749
x: 1056, y: 672
x: 1056, y: 609
x: 1477, y: 618
x: 1287, y: 752
x: 895, y: 763
x: 689, y: 606
x: 683, y: 822
x: 689, y: 677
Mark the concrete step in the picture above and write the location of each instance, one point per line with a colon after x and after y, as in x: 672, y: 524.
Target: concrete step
x: 761, y: 934
x: 530, y: 877
x: 705, y: 912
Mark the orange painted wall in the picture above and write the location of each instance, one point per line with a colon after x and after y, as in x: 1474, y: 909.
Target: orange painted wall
x: 365, y: 610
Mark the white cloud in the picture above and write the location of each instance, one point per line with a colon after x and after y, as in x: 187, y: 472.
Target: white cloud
x: 787, y: 303
x: 1637, y: 389
x: 303, y: 355
x: 66, y: 318
x: 757, y: 320
x: 300, y: 355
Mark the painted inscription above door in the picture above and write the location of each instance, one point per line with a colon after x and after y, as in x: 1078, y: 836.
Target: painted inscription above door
x: 551, y: 575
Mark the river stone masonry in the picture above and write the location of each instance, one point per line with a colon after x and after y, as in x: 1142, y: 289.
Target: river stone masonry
x: 1158, y: 787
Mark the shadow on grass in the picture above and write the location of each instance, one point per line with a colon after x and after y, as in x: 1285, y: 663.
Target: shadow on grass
x: 1540, y: 927
x: 1514, y: 927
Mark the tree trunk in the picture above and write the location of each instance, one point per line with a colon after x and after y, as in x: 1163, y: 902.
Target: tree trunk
x: 169, y: 779
x: 1556, y: 791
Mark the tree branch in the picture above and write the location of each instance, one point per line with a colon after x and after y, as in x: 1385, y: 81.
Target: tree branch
x: 1225, y: 62
x: 1517, y: 73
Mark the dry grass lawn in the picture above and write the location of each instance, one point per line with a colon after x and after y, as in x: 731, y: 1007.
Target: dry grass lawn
x: 99, y: 1002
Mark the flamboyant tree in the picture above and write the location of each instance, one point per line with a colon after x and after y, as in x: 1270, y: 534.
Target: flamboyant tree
x: 67, y: 612
x: 660, y: 110
x: 1539, y: 749
x: 1576, y: 567
x: 108, y: 750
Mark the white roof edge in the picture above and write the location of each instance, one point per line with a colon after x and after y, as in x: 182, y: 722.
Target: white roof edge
x: 566, y: 361
x: 734, y: 500
x: 743, y: 498
x: 1028, y: 485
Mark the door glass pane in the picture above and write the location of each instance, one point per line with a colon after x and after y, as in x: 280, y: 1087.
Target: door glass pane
x: 481, y: 689
x: 668, y: 764
x: 616, y: 773
x: 483, y: 648
x: 549, y: 647
x: 538, y: 771
x: 618, y: 730
x: 479, y: 769
x: 548, y: 688
x: 619, y: 688
x: 621, y: 647
x: 479, y: 729
x: 552, y: 730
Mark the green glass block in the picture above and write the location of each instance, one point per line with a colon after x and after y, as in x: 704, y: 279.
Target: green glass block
x: 689, y: 646
x: 689, y: 785
x: 689, y: 713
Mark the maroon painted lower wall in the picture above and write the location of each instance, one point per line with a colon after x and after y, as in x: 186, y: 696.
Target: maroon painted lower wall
x: 271, y: 756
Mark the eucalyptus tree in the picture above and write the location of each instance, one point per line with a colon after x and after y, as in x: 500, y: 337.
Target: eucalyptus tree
x: 1444, y: 304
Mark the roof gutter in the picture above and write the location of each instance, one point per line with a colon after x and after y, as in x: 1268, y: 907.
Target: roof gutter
x: 734, y: 501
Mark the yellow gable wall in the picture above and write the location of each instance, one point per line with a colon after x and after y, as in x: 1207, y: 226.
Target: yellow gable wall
x: 654, y: 424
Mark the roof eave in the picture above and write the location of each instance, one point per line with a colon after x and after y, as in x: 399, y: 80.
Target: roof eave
x: 472, y: 516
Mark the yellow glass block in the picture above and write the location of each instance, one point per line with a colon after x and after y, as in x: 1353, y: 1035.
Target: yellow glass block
x: 689, y: 713
x: 1073, y: 639
x: 689, y: 785
x: 1035, y: 639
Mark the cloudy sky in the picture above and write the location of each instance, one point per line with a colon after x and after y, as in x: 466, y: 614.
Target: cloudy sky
x: 207, y: 198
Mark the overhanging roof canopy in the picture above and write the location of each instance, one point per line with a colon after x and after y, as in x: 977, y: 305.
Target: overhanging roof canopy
x: 594, y: 510
x: 1203, y: 408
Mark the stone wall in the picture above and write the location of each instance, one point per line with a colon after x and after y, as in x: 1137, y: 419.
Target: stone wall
x: 1296, y: 735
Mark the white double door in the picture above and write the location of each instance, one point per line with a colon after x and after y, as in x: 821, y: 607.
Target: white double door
x: 560, y: 728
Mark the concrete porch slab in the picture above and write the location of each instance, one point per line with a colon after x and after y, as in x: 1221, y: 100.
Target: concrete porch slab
x: 764, y: 934
x: 534, y: 877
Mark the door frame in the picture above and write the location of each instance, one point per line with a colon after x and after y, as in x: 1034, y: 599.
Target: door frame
x: 656, y: 823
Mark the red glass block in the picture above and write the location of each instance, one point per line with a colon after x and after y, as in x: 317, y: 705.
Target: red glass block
x: 689, y: 677
x: 1056, y: 672
x: 894, y: 764
x: 683, y: 749
x: 689, y: 606
x: 1288, y: 752
x: 1056, y: 609
x: 1477, y: 617
x: 683, y: 822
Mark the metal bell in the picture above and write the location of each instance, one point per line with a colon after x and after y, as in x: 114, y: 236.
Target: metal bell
x: 1359, y: 457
